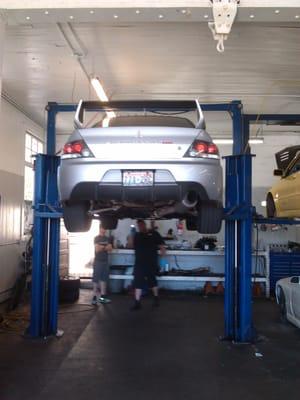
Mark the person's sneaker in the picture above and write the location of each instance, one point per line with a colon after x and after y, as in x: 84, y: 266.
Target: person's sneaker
x: 136, y: 306
x: 104, y: 300
x: 155, y: 301
x: 94, y: 301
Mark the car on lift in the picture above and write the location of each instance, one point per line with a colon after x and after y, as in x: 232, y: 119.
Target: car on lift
x: 154, y: 165
x: 288, y: 297
x: 283, y: 199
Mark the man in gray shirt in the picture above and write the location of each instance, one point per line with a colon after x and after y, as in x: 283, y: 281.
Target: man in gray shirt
x: 103, y: 246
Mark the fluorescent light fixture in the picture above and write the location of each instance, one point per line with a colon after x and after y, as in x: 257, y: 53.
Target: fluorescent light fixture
x: 99, y: 89
x: 256, y: 141
x: 223, y: 141
x: 109, y: 116
x: 230, y: 141
x: 103, y: 97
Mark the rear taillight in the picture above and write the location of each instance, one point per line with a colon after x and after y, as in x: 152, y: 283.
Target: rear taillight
x: 203, y: 149
x: 76, y: 149
x: 213, y: 149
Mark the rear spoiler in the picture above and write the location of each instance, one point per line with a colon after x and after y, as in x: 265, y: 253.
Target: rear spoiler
x: 139, y: 105
x: 285, y: 157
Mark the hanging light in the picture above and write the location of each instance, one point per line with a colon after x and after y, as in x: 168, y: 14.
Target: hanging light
x: 95, y: 82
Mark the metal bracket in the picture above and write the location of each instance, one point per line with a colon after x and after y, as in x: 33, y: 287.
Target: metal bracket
x: 224, y: 13
x: 238, y: 212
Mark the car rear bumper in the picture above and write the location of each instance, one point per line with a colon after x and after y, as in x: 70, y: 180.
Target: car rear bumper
x: 165, y: 192
x: 103, y: 181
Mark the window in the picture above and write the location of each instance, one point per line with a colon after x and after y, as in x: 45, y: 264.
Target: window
x: 294, y: 168
x: 33, y: 146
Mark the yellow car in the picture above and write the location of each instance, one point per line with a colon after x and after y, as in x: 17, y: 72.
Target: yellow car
x: 283, y: 199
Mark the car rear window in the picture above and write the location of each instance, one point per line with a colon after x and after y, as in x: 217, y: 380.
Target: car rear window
x: 149, y: 120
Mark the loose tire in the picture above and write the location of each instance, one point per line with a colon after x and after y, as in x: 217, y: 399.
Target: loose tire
x: 271, y: 209
x: 69, y: 290
x: 108, y: 222
x: 282, y: 306
x: 209, y: 218
x: 76, y: 218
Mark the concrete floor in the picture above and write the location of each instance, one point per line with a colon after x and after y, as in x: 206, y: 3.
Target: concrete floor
x: 172, y: 352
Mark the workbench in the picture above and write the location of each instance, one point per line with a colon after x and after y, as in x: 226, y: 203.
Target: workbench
x: 189, y: 259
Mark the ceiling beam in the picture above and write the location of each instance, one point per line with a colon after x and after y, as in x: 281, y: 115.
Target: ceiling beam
x: 65, y: 4
x: 142, y: 11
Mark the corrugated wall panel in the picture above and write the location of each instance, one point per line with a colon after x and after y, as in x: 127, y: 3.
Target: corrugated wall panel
x: 64, y: 251
x: 11, y: 192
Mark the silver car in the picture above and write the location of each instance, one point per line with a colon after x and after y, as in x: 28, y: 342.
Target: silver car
x: 149, y: 165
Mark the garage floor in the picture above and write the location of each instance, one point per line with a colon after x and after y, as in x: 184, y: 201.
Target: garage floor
x: 168, y: 353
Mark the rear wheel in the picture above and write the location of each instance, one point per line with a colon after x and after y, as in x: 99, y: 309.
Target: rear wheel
x: 76, y: 217
x: 271, y: 209
x: 210, y: 218
x: 191, y: 223
x: 108, y: 222
x: 282, y: 305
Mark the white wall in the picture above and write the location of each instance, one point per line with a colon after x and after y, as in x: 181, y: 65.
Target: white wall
x: 2, y: 35
x: 13, y: 127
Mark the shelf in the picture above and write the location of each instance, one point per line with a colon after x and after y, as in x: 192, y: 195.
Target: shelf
x: 191, y: 252
x: 186, y: 278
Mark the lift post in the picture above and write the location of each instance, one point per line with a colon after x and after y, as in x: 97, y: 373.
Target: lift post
x: 46, y: 234
x: 238, y: 249
x: 45, y: 260
x: 238, y: 233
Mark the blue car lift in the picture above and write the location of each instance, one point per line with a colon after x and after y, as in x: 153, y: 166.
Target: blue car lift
x: 238, y: 222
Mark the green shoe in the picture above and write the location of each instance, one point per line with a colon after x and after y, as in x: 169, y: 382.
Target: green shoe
x: 94, y: 301
x: 104, y: 300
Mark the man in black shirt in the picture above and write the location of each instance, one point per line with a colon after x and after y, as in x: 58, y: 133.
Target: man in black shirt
x: 146, y: 243
x: 103, y: 246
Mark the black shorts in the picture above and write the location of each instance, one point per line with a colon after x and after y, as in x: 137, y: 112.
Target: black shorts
x: 144, y: 279
x: 101, y: 272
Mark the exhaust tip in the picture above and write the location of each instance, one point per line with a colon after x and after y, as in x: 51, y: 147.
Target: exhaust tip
x: 190, y: 199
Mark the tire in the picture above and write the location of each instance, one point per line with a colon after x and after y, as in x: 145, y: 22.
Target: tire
x: 282, y: 306
x: 69, y: 290
x: 191, y: 223
x: 210, y: 218
x: 108, y: 222
x: 271, y: 209
x: 76, y: 218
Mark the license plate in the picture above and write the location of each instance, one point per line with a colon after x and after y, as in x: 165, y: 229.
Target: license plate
x: 137, y: 178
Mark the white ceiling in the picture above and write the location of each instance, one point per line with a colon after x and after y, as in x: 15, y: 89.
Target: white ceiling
x: 167, y: 60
